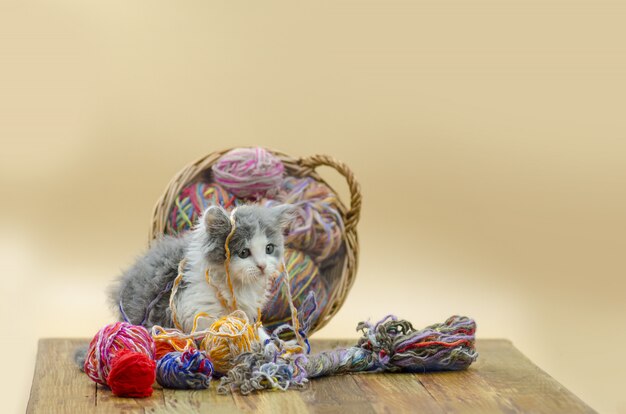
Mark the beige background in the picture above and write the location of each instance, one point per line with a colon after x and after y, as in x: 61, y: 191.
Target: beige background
x: 489, y: 138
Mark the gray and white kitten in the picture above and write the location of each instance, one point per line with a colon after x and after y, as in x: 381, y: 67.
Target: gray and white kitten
x: 256, y: 247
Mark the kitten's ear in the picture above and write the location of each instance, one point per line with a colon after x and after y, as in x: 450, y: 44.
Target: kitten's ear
x: 216, y: 221
x: 284, y: 213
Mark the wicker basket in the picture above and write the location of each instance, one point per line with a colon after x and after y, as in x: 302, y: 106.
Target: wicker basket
x: 340, y: 273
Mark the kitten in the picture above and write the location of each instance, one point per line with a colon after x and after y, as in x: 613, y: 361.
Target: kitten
x: 256, y: 246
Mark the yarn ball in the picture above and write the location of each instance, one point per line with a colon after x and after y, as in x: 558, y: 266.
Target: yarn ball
x: 132, y: 374
x: 317, y: 227
x: 249, y: 172
x: 193, y: 200
x: 188, y: 370
x: 228, y: 337
x: 304, y: 278
x: 121, y: 356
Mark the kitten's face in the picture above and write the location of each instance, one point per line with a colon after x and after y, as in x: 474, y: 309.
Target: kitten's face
x: 259, y: 256
x: 256, y: 247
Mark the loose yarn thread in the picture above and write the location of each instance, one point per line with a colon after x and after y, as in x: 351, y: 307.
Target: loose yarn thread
x: 172, y: 301
x: 292, y: 308
x: 233, y: 228
x: 249, y: 172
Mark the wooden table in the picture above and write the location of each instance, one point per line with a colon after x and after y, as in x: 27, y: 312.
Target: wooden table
x: 502, y: 380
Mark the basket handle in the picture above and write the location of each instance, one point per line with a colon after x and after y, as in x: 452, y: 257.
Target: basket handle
x: 354, y: 213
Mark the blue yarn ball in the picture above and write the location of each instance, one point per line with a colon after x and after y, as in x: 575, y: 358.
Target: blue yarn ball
x: 189, y: 370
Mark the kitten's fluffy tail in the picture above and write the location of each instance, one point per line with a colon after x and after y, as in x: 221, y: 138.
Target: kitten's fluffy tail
x: 80, y: 355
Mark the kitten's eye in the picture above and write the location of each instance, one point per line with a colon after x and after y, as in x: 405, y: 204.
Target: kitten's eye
x: 269, y: 249
x: 244, y: 253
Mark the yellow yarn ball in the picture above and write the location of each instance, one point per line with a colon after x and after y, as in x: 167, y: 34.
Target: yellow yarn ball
x: 227, y: 337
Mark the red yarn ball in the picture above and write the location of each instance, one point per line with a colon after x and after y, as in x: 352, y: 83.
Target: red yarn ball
x: 132, y: 374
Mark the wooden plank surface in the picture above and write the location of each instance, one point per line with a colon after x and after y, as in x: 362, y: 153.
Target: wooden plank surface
x: 501, y: 381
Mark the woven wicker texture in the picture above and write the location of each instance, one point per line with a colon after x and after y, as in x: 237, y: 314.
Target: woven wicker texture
x: 339, y: 273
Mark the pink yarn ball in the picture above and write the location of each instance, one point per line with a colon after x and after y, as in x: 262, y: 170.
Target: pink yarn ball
x: 249, y: 172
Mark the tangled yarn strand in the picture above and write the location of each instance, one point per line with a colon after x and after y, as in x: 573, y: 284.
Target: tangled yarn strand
x: 394, y: 345
x: 341, y: 361
x: 390, y: 345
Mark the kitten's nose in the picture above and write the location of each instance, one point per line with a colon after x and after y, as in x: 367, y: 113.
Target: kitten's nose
x: 261, y: 266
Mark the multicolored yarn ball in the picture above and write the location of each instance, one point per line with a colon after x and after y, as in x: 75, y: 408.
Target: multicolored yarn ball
x: 390, y: 345
x: 317, y: 227
x: 305, y: 278
x: 193, y: 200
x: 121, y: 356
x: 228, y: 337
x: 188, y: 370
x: 249, y: 173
